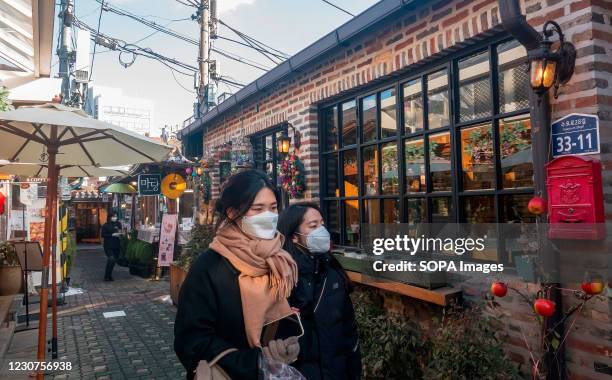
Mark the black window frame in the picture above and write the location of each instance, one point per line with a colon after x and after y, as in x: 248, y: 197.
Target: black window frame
x: 258, y: 141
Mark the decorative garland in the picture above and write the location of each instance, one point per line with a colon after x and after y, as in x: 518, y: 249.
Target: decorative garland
x: 292, y: 176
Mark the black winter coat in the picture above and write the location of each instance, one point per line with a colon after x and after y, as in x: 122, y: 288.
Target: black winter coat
x: 209, y: 319
x: 329, y: 348
x: 108, y: 229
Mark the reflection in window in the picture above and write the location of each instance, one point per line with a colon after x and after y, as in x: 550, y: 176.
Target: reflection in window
x: 474, y: 87
x: 333, y: 220
x: 477, y: 158
x: 370, y: 169
x: 413, y: 106
x: 331, y: 182
x: 330, y: 120
x: 388, y: 120
x: 415, y: 165
x: 391, y: 211
x: 351, y: 222
x: 368, y: 117
x: 437, y: 99
x: 390, y: 170
x: 513, y: 77
x: 269, y: 147
x: 515, y: 149
x: 440, y: 161
x: 372, y: 211
x: 349, y: 164
x: 442, y: 210
x: 349, y: 123
x: 514, y: 209
x: 416, y: 210
x: 479, y: 209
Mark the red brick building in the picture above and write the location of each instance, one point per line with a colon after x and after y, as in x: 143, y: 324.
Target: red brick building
x: 419, y: 111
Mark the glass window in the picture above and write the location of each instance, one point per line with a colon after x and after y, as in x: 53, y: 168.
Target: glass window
x: 474, y: 87
x: 440, y: 161
x: 390, y: 170
x: 388, y: 119
x: 415, y: 165
x: 437, y: 99
x: 330, y: 120
x: 370, y: 169
x: 351, y: 222
x: 350, y: 171
x: 368, y: 117
x: 514, y: 208
x: 349, y: 123
x: 479, y: 209
x: 372, y: 211
x: 477, y: 158
x: 333, y: 220
x: 513, y: 77
x: 442, y: 210
x: 416, y: 210
x: 515, y: 152
x: 269, y: 147
x: 331, y: 182
x: 413, y: 106
x: 391, y: 211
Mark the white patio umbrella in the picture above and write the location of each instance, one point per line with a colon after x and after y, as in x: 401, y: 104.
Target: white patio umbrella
x: 35, y: 170
x: 53, y: 134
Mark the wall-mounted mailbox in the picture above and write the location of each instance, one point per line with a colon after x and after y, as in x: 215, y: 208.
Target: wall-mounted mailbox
x: 575, y: 199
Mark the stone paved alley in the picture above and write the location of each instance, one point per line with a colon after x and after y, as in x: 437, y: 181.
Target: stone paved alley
x: 135, y: 346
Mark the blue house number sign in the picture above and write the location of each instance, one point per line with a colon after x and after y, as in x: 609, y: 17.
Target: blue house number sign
x: 575, y: 134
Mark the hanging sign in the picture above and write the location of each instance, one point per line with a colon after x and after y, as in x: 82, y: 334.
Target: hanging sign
x: 149, y: 184
x: 575, y: 134
x: 166, y: 240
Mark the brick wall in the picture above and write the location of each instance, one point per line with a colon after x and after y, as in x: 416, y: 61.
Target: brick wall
x: 409, y: 39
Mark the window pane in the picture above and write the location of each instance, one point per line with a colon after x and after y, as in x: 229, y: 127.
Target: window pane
x: 372, y: 211
x: 413, y: 106
x: 416, y: 210
x: 477, y: 158
x: 333, y: 220
x: 370, y: 169
x: 351, y: 222
x: 349, y: 164
x: 349, y: 123
x: 391, y: 211
x: 368, y: 117
x: 514, y: 209
x: 415, y: 165
x: 388, y: 120
x: 330, y: 120
x: 474, y: 87
x: 515, y: 148
x: 437, y: 99
x: 440, y: 161
x: 479, y: 209
x: 442, y: 210
x: 390, y: 179
x: 513, y: 77
x: 331, y: 183
x: 269, y: 147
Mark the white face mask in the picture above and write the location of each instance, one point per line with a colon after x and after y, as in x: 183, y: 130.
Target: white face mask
x: 262, y: 225
x: 318, y: 240
x: 114, y: 219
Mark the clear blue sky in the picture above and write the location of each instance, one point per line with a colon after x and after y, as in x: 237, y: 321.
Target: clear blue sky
x: 287, y: 25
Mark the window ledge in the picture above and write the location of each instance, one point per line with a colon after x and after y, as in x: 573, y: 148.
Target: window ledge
x: 441, y: 296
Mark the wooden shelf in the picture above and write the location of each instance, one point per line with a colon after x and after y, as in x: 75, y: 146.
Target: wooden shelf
x: 441, y: 296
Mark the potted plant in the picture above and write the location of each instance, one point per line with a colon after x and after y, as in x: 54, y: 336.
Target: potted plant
x: 11, y: 279
x: 141, y: 259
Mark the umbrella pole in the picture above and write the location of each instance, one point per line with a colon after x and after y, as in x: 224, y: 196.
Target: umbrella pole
x: 44, y: 286
x: 54, y: 279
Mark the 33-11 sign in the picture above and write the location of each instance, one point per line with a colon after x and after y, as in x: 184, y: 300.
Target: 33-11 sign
x: 575, y: 134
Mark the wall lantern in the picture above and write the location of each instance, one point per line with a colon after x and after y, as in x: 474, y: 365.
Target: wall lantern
x: 283, y: 143
x: 551, y: 68
x: 199, y: 170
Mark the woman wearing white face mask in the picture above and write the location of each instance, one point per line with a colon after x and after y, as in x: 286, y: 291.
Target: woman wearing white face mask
x: 329, y: 348
x: 238, y: 285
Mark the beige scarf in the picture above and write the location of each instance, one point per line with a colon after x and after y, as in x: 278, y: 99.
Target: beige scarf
x: 267, y: 276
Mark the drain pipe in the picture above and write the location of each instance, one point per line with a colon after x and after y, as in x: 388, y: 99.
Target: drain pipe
x: 539, y: 106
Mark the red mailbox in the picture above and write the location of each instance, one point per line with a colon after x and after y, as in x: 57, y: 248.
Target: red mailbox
x: 575, y: 199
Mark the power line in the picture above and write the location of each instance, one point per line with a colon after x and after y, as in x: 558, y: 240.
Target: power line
x: 337, y: 7
x: 93, y: 58
x: 179, y: 83
x: 240, y: 59
x: 245, y: 44
x: 259, y: 46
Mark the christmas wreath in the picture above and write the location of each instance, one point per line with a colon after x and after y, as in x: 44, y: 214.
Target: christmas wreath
x: 292, y: 176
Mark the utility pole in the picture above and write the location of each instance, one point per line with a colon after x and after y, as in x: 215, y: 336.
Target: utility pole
x: 204, y: 56
x: 64, y: 50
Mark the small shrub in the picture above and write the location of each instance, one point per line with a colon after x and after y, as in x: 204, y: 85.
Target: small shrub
x: 201, y: 236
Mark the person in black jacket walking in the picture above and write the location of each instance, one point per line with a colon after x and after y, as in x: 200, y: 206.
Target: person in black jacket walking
x: 238, y: 285
x: 329, y: 348
x: 111, y: 231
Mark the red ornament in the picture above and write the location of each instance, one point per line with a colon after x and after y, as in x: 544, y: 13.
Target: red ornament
x: 593, y: 285
x: 499, y: 289
x: 2, y: 201
x: 544, y: 307
x: 537, y: 205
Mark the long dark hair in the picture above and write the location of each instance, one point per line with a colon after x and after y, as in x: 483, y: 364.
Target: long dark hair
x: 289, y: 222
x: 238, y: 193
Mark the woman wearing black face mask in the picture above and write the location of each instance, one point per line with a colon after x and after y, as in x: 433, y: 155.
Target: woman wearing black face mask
x: 111, y: 231
x: 329, y: 348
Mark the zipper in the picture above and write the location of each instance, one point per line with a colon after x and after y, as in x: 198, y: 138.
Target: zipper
x: 320, y: 295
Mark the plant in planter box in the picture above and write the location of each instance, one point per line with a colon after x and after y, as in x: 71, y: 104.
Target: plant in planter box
x: 10, y: 271
x: 201, y: 236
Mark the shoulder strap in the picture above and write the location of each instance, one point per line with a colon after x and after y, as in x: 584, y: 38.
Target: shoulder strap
x: 220, y: 356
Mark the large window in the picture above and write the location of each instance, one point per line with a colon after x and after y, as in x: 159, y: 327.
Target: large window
x: 451, y: 143
x: 265, y: 152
